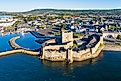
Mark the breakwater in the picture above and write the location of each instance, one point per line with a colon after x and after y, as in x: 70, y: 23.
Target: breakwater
x: 18, y: 49
x: 13, y: 43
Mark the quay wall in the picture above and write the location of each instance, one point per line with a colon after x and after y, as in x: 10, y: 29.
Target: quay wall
x: 89, y: 53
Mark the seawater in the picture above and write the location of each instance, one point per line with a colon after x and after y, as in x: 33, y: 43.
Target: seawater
x: 20, y: 67
x: 5, y: 16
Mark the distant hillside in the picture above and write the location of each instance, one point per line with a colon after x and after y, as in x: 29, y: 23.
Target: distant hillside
x: 2, y: 13
x: 39, y: 11
x: 62, y: 11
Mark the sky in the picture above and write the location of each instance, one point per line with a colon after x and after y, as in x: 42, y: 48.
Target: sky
x: 26, y: 5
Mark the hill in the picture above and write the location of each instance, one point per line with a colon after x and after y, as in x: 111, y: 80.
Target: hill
x: 62, y: 11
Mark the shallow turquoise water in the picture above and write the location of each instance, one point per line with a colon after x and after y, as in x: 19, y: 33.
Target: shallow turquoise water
x: 19, y: 67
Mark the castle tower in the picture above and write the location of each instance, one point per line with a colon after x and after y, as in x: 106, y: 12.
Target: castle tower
x: 70, y: 55
x: 43, y: 51
x: 67, y: 36
x: 101, y: 39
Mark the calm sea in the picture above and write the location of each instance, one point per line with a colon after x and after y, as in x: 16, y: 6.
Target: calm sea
x: 20, y: 67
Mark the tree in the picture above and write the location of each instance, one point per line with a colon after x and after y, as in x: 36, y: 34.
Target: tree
x: 77, y: 35
x: 119, y: 37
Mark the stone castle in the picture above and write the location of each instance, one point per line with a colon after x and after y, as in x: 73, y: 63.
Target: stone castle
x: 63, y: 51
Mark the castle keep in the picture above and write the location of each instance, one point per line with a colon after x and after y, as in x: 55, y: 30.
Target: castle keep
x: 54, y: 51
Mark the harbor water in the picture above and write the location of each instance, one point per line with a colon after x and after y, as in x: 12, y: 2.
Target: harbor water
x: 20, y: 67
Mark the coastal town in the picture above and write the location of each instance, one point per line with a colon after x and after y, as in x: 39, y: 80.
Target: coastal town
x: 60, y: 40
x: 65, y: 37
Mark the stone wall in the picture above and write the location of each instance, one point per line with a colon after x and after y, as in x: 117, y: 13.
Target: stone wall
x: 57, y: 47
x: 88, y: 53
x: 94, y: 49
x: 64, y: 51
x: 50, y: 41
x: 53, y: 53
